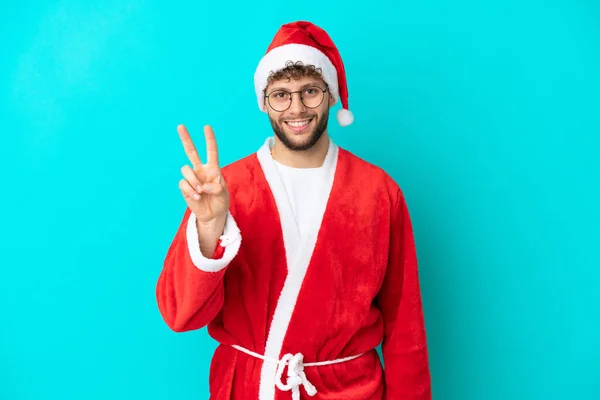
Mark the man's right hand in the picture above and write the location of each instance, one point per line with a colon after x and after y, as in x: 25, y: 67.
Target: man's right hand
x: 203, y: 187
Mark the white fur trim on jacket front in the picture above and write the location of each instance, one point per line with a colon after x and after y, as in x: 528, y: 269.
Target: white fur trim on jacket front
x: 279, y: 56
x: 298, y: 249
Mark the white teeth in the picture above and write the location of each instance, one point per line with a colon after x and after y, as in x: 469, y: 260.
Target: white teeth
x: 298, y: 124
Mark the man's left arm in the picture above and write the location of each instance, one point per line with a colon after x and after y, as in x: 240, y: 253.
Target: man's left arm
x: 404, y: 348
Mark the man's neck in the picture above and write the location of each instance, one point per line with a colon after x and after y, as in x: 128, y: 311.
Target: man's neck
x: 311, y: 158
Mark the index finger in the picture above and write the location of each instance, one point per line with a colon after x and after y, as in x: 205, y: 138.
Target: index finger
x: 188, y: 146
x: 212, y: 151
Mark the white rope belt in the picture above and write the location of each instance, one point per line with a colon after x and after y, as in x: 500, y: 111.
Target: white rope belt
x: 296, y: 375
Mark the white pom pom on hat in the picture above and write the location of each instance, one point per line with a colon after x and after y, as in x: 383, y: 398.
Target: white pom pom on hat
x: 304, y: 41
x: 345, y: 117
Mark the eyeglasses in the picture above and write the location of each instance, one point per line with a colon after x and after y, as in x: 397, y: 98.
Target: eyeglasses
x: 281, y: 100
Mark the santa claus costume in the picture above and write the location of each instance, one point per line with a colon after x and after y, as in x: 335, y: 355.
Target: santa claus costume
x: 315, y: 268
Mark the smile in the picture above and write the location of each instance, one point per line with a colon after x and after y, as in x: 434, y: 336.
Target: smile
x: 298, y: 126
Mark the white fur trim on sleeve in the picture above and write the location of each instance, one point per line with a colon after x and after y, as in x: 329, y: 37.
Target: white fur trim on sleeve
x: 231, y: 240
x: 279, y: 56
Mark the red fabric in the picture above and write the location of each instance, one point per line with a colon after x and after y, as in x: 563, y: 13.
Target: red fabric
x: 361, y: 288
x: 219, y: 251
x: 307, y: 33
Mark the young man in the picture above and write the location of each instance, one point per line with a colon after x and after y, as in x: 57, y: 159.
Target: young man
x: 299, y: 258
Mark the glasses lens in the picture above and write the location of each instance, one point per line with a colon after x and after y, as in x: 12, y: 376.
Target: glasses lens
x: 312, y: 97
x: 279, y: 100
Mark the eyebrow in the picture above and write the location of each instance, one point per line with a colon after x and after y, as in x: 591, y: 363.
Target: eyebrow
x: 309, y: 84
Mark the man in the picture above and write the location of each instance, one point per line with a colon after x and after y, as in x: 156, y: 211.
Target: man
x: 299, y: 258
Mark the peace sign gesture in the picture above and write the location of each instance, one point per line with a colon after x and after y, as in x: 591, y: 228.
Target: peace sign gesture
x: 203, y: 187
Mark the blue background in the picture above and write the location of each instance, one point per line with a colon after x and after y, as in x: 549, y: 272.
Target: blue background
x: 486, y: 113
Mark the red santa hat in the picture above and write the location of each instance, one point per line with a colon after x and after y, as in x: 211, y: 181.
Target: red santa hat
x: 303, y: 41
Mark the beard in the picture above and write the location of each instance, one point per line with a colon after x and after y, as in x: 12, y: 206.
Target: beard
x: 315, y: 135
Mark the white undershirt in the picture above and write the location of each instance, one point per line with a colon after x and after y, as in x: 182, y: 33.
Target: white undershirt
x: 305, y: 188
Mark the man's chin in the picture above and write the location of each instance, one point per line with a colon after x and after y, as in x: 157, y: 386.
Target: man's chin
x: 299, y: 136
x: 297, y: 141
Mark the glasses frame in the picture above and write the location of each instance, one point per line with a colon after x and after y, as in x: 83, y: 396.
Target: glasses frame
x: 291, y: 95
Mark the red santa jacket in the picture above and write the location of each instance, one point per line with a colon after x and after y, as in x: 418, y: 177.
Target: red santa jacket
x: 340, y: 291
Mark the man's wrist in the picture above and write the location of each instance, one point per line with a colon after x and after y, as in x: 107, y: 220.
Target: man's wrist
x: 215, y: 226
x: 209, y: 233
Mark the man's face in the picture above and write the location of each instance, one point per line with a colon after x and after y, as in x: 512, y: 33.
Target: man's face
x: 299, y: 127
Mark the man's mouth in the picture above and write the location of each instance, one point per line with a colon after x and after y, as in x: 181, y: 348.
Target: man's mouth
x: 298, y: 125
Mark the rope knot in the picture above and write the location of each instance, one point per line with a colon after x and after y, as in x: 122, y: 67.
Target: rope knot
x: 296, y: 376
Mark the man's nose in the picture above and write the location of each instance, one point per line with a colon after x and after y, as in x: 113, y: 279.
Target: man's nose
x: 297, y: 106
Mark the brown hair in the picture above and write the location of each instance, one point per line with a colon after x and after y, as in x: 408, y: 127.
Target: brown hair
x: 295, y: 70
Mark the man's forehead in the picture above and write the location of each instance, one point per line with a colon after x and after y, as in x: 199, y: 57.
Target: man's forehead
x: 295, y: 83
